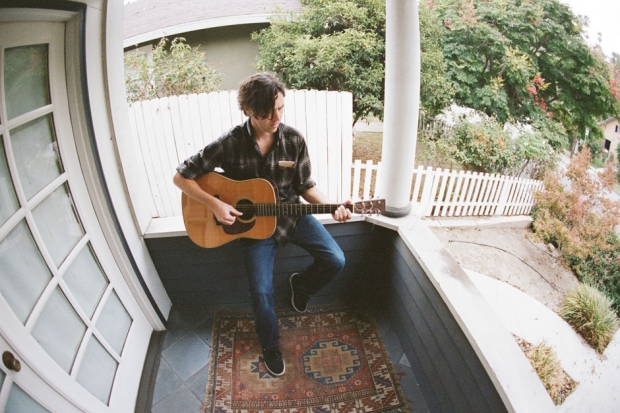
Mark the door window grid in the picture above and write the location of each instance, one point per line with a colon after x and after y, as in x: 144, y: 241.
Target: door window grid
x: 24, y: 215
x: 8, y: 197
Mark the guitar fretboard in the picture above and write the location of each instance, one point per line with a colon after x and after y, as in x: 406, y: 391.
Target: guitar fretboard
x: 294, y: 209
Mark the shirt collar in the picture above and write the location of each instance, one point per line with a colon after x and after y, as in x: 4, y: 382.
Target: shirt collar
x: 250, y: 138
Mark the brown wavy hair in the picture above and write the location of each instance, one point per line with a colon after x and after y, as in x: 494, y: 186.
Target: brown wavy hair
x: 258, y: 94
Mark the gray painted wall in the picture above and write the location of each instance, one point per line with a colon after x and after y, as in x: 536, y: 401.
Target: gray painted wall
x: 230, y: 49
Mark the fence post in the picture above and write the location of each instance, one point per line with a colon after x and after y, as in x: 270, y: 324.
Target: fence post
x: 503, y: 197
x: 428, y: 193
x: 378, y: 188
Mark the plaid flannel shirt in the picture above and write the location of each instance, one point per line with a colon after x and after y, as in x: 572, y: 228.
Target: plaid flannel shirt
x: 238, y: 155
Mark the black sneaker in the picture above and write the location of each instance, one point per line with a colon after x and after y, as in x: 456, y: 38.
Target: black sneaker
x: 299, y: 300
x: 274, y: 361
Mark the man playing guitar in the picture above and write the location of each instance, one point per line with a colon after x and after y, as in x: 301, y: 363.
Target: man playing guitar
x: 263, y: 147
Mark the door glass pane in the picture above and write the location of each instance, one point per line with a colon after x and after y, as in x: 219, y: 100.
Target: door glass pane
x: 59, y: 330
x: 58, y: 223
x: 26, y: 79
x: 86, y: 280
x: 114, y: 323
x: 97, y: 371
x: 8, y: 200
x: 36, y: 154
x: 20, y: 402
x: 23, y: 273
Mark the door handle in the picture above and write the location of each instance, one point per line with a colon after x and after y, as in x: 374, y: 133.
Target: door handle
x: 11, y: 362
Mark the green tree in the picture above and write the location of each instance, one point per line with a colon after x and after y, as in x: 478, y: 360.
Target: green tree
x: 514, y: 59
x: 340, y: 45
x: 436, y: 91
x: 174, y: 70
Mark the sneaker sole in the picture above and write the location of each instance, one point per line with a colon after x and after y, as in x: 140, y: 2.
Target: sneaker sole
x: 290, y: 282
x: 276, y: 374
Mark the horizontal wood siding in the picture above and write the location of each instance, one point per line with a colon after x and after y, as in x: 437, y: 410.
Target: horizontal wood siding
x: 381, y: 277
x: 447, y: 369
x: 217, y: 275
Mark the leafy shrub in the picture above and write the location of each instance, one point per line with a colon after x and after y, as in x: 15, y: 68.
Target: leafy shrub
x: 472, y: 140
x: 484, y: 146
x: 573, y: 213
x: 601, y: 269
x: 435, y: 147
x: 576, y: 216
x: 589, y: 312
x: 177, y: 70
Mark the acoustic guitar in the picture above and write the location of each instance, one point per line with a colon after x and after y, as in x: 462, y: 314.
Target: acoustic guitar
x: 257, y: 199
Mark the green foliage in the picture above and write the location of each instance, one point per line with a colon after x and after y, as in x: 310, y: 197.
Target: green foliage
x: 618, y: 171
x: 436, y: 148
x: 576, y: 216
x: 175, y: 70
x: 601, y: 269
x: 516, y: 60
x: 580, y: 220
x: 340, y: 45
x: 485, y: 146
x: 589, y: 312
x: 436, y: 91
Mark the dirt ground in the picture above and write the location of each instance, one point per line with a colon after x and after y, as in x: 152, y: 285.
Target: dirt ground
x: 507, y: 254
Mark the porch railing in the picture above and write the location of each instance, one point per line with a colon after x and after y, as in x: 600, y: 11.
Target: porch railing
x: 447, y: 193
x: 168, y: 130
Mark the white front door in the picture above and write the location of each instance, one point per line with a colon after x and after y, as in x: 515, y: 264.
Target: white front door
x: 66, y: 314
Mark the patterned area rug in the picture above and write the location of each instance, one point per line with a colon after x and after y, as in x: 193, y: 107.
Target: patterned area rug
x: 335, y: 362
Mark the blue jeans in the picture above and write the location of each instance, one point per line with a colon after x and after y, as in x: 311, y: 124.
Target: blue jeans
x: 259, y: 257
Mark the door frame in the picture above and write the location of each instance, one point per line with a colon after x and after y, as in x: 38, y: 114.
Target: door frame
x: 38, y: 367
x: 131, y: 257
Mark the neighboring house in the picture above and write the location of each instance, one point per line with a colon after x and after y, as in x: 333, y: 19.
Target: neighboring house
x: 221, y: 28
x: 611, y: 130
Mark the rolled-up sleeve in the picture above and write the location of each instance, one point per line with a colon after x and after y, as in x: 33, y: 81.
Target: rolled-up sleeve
x: 302, y: 180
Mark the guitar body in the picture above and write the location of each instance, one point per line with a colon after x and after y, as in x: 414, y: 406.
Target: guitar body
x: 201, y: 225
x: 257, y: 199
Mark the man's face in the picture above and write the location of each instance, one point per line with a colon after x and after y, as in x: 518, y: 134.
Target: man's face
x: 269, y: 124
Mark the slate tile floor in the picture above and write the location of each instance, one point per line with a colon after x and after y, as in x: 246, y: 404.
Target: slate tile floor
x: 182, y: 376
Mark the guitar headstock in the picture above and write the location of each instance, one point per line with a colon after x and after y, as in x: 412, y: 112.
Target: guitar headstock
x: 369, y: 207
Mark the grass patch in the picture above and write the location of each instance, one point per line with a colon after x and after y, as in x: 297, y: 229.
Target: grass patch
x: 590, y: 313
x: 559, y: 385
x: 367, y: 146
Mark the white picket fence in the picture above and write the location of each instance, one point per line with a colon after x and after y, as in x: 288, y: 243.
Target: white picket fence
x: 447, y: 193
x: 169, y: 130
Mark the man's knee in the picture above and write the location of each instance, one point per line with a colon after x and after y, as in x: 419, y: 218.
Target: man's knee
x: 337, y: 260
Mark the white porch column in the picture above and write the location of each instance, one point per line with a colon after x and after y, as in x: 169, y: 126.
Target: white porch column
x: 402, y: 101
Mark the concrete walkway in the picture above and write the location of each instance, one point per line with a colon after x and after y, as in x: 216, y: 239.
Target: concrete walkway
x: 598, y: 376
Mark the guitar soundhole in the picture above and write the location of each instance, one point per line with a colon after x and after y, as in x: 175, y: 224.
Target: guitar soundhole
x: 247, y: 207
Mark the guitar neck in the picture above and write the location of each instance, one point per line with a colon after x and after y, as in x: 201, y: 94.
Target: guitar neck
x: 297, y: 209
